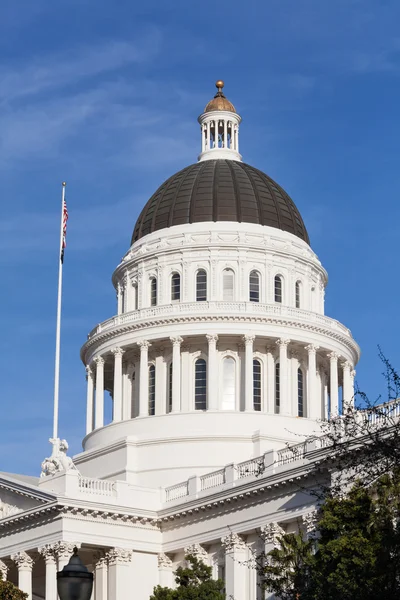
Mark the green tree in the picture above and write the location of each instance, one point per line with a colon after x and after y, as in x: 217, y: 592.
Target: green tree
x: 194, y: 582
x: 8, y: 591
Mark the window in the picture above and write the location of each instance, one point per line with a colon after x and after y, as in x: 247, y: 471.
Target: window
x: 200, y: 385
x: 254, y: 286
x: 228, y: 384
x: 278, y: 288
x: 227, y: 284
x: 135, y: 297
x: 152, y: 390
x: 153, y: 291
x: 256, y: 384
x: 297, y: 293
x: 175, y: 287
x: 201, y: 286
x: 300, y: 393
x: 169, y: 409
x: 277, y: 388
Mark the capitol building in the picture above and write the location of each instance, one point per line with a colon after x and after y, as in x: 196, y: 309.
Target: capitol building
x: 219, y: 365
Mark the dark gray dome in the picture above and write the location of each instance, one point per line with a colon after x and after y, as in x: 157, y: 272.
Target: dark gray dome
x: 220, y: 190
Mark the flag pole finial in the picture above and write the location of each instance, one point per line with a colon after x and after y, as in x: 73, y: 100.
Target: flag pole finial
x: 64, y: 183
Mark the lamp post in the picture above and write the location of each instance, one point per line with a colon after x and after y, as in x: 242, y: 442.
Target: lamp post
x: 74, y: 582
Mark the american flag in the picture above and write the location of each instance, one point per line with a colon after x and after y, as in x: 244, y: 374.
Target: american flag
x: 64, y: 230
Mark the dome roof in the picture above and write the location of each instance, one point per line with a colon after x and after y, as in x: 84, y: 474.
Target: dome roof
x: 220, y: 190
x: 220, y: 102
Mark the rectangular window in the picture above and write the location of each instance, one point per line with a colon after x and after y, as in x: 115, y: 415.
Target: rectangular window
x: 277, y: 389
x: 228, y: 284
x: 200, y: 386
x: 153, y: 291
x: 257, y: 385
x: 254, y: 284
x: 175, y: 287
x: 170, y: 388
x: 201, y: 286
x: 152, y: 390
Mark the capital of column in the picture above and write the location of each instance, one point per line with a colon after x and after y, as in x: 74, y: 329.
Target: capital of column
x: 271, y: 532
x: 117, y: 351
x: 311, y: 348
x: 89, y: 372
x: 353, y: 373
x: 346, y: 365
x: 118, y: 556
x: 23, y: 561
x: 283, y: 342
x: 232, y: 542
x: 3, y: 570
x: 144, y: 345
x: 99, y: 360
x: 249, y: 339
x: 164, y: 561
x: 212, y: 338
x: 310, y: 520
x: 176, y: 341
x: 198, y: 551
x: 64, y: 550
x: 48, y: 553
x: 99, y: 559
x: 333, y: 356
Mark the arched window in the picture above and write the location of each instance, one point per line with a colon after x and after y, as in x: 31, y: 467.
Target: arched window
x: 297, y: 293
x: 300, y: 393
x: 200, y: 384
x: 278, y: 288
x: 228, y: 277
x: 169, y: 409
x: 152, y: 390
x: 175, y: 287
x: 228, y: 384
x: 256, y: 384
x: 153, y: 291
x: 135, y: 297
x: 201, y: 286
x: 277, y: 388
x: 254, y: 286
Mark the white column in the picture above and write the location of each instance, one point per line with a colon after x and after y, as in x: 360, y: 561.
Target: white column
x: 294, y: 364
x: 208, y: 135
x: 100, y: 576
x: 89, y: 400
x: 176, y: 373
x: 165, y: 573
x: 352, y: 377
x: 119, y: 299
x: 117, y: 392
x: 270, y: 534
x: 144, y: 378
x: 225, y: 133
x: 99, y: 412
x: 161, y: 386
x: 215, y: 133
x: 212, y: 370
x: 51, y: 572
x: 312, y: 410
x: 25, y: 566
x: 203, y: 138
x: 334, y: 384
x: 236, y: 569
x: 269, y: 384
x: 248, y: 341
x: 119, y: 584
x: 283, y: 376
x: 347, y: 384
x: 3, y: 570
x: 325, y: 395
x: 237, y: 139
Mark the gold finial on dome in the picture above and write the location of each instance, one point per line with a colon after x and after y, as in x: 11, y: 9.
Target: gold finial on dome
x: 219, y: 85
x: 219, y: 102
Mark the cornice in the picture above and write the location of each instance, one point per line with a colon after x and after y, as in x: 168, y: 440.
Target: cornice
x: 24, y: 490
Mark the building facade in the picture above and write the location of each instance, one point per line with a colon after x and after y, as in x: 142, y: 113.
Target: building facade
x: 218, y: 367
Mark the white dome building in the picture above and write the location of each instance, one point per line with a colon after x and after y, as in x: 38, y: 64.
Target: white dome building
x: 219, y: 357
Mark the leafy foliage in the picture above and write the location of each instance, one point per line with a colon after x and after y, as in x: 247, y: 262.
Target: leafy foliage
x: 194, y: 582
x: 8, y: 591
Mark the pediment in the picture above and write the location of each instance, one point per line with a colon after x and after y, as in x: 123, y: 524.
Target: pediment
x: 17, y: 496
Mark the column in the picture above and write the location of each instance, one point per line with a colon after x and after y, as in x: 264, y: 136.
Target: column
x: 161, y: 386
x: 3, y: 570
x: 203, y: 136
x: 144, y: 378
x: 89, y: 400
x: 270, y: 535
x: 334, y: 385
x: 51, y: 572
x: 119, y: 299
x: 269, y: 384
x: 294, y: 365
x: 208, y: 135
x: 312, y: 409
x: 100, y: 576
x: 165, y: 573
x: 352, y: 377
x: 236, y: 569
x: 198, y: 552
x: 25, y: 565
x: 248, y: 341
x: 119, y: 584
x: 348, y: 392
x: 225, y: 133
x: 237, y: 138
x: 212, y: 370
x: 283, y: 376
x: 176, y: 373
x: 99, y: 412
x: 117, y: 391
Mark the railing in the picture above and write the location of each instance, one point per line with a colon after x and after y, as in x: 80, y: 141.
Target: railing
x: 176, y: 491
x: 254, y: 466
x: 383, y: 412
x: 96, y: 486
x: 216, y: 307
x: 291, y: 454
x: 212, y: 479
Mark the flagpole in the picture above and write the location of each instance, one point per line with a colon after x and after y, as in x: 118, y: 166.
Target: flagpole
x: 58, y: 326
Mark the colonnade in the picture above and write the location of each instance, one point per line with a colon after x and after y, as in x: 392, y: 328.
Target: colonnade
x: 321, y: 385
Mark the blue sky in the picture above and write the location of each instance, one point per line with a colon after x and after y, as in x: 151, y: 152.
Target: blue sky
x: 106, y: 94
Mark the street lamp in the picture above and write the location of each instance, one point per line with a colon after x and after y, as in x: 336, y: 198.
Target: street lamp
x: 74, y: 582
